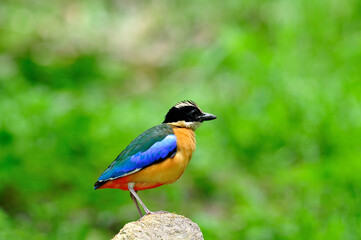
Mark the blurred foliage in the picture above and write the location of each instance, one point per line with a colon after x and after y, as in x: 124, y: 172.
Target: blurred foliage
x: 79, y: 80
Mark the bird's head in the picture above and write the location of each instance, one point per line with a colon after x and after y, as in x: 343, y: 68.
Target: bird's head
x: 187, y: 114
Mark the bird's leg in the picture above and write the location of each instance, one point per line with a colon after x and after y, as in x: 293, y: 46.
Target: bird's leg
x: 131, y: 189
x: 136, y: 204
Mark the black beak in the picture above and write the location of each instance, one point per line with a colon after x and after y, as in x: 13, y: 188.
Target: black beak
x: 207, y: 117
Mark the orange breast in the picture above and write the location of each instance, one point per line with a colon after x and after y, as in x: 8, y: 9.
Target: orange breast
x: 164, y: 172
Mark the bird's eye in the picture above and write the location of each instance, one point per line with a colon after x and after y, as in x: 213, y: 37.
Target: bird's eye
x: 193, y: 112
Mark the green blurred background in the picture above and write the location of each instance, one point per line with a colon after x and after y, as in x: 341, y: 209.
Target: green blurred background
x: 79, y: 80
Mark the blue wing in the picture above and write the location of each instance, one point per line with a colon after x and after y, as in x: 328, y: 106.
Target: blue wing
x: 152, y: 146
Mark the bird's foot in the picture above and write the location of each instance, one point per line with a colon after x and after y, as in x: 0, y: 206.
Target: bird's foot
x: 157, y: 212
x: 146, y: 214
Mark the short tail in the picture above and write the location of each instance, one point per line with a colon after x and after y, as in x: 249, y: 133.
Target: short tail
x: 98, y: 184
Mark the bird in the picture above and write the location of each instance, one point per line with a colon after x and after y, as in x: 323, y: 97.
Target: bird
x: 158, y: 156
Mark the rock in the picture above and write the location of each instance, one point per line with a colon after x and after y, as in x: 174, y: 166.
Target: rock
x: 160, y: 225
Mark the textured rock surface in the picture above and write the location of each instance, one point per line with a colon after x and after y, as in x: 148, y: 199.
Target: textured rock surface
x: 162, y: 225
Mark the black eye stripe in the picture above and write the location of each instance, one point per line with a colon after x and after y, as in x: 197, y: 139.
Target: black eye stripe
x: 184, y: 113
x: 192, y: 112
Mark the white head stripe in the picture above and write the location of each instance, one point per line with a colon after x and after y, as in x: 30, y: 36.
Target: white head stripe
x: 184, y: 104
